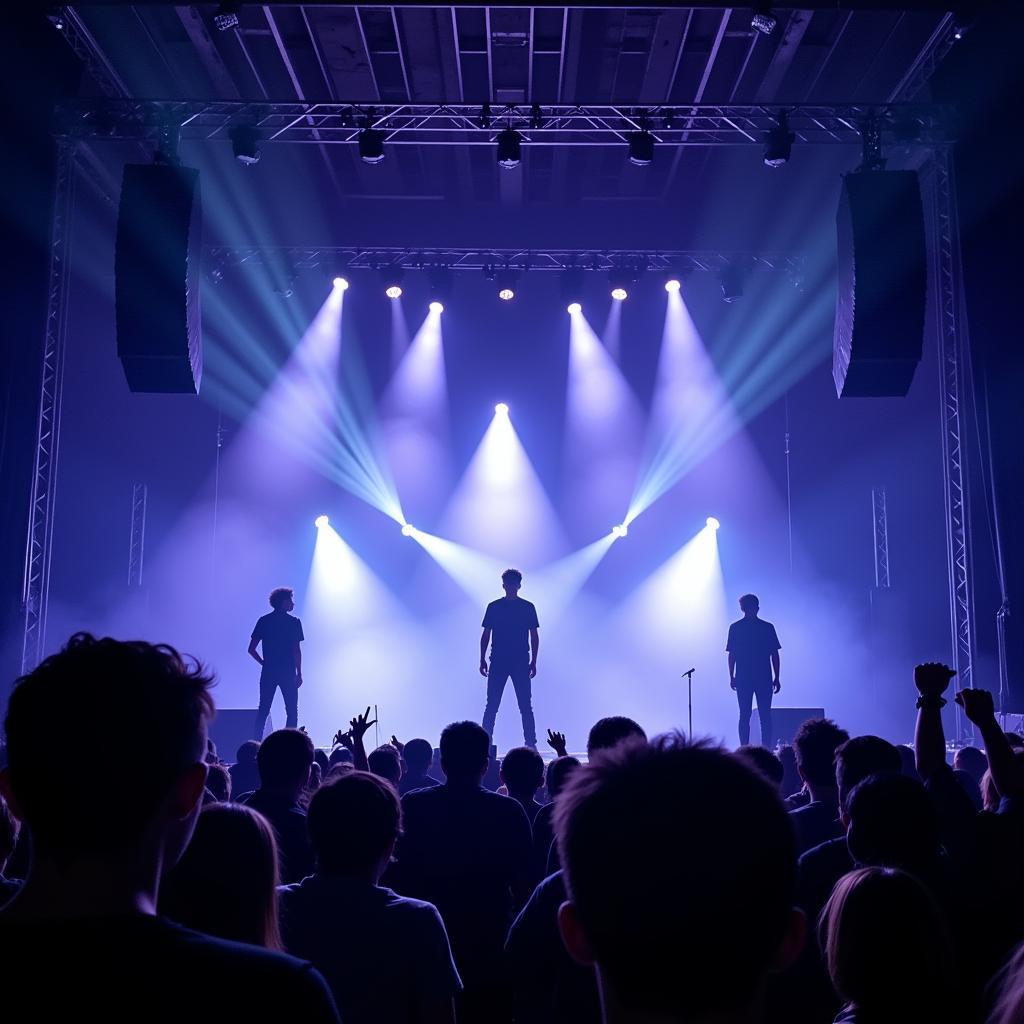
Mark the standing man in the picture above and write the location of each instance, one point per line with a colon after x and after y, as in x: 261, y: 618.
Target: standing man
x: 508, y: 624
x: 754, y: 668
x: 281, y: 634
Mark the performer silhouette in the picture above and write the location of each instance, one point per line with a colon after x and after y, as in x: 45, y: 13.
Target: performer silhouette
x: 754, y: 668
x: 281, y: 635
x: 508, y: 624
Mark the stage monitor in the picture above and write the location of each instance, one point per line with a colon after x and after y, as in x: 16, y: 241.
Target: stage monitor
x: 786, y: 721
x: 883, y: 282
x: 156, y: 279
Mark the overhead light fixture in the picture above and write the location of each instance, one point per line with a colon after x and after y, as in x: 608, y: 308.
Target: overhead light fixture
x: 340, y: 283
x: 408, y: 529
x: 501, y: 409
x: 321, y: 521
x: 731, y: 279
x: 621, y: 530
x: 56, y: 19
x: 712, y: 523
x: 763, y: 20
x: 574, y: 308
x: 668, y: 119
x: 641, y: 148
x: 484, y: 120
x: 673, y: 284
x: 391, y: 278
x: 620, y: 278
x: 244, y: 144
x: 509, y: 150
x: 227, y: 15
x: 507, y: 280
x: 371, y: 145
x: 436, y: 307
x: 778, y: 143
x: 536, y: 116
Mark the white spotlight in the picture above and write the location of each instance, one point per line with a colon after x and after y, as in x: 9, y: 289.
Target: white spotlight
x: 574, y: 309
x: 672, y: 285
x: 620, y: 531
x: 619, y: 294
x: 321, y: 521
x: 436, y: 307
x: 393, y: 291
x: 501, y: 409
x: 713, y: 523
x: 408, y: 529
x: 340, y: 283
x: 506, y: 294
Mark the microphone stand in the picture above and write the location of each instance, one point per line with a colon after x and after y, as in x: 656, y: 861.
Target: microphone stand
x: 689, y: 700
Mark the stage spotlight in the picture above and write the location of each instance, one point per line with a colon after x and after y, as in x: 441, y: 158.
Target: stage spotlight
x: 778, y: 143
x: 243, y: 144
x: 340, y: 283
x: 507, y: 279
x: 321, y: 521
x: 391, y: 278
x: 393, y: 291
x: 501, y: 409
x: 574, y: 309
x: 731, y: 279
x: 436, y: 307
x: 619, y: 294
x: 712, y: 523
x: 621, y: 530
x: 641, y: 148
x: 763, y: 20
x: 673, y: 284
x: 536, y: 116
x: 56, y: 19
x: 408, y: 529
x: 506, y: 294
x: 227, y: 15
x: 484, y: 120
x: 509, y: 153
x: 371, y: 145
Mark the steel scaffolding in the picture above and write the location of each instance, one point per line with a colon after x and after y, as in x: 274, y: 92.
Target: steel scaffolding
x: 137, y: 535
x: 880, y: 531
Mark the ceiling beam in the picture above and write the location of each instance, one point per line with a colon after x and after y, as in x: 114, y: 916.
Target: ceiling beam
x: 937, y: 6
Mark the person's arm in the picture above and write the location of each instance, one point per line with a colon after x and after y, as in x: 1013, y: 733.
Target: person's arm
x: 534, y: 648
x: 776, y: 661
x: 357, y: 729
x: 298, y: 662
x: 931, y: 680
x: 1007, y: 774
x: 556, y: 741
x: 253, y: 645
x: 732, y: 670
x: 485, y: 639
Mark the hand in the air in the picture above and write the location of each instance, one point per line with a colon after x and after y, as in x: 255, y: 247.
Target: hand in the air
x: 932, y: 678
x: 397, y: 744
x: 343, y: 739
x: 556, y: 741
x: 977, y: 705
x: 359, y: 725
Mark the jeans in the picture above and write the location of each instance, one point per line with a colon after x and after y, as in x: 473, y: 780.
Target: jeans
x: 497, y: 676
x: 745, y: 694
x: 270, y: 680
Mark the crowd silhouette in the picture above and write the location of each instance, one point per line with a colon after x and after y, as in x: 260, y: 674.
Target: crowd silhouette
x: 651, y: 880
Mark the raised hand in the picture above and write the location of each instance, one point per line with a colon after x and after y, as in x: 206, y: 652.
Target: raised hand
x: 556, y: 741
x: 977, y: 705
x: 343, y: 739
x: 359, y: 725
x: 397, y: 744
x: 932, y: 678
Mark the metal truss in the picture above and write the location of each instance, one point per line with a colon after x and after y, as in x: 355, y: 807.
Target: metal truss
x: 880, y: 529
x: 937, y: 176
x: 39, y: 545
x: 331, y: 259
x: 137, y: 535
x: 447, y: 124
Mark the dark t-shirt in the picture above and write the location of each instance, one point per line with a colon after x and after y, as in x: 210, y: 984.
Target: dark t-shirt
x: 289, y: 823
x: 279, y: 632
x: 752, y: 642
x: 141, y: 968
x: 510, y: 621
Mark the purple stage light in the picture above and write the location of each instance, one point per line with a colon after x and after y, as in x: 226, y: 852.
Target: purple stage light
x: 321, y: 521
x: 574, y: 309
x: 393, y: 291
x: 619, y: 294
x: 506, y: 294
x: 340, y: 283
x: 672, y: 285
x: 713, y: 523
x: 501, y: 409
x: 436, y: 307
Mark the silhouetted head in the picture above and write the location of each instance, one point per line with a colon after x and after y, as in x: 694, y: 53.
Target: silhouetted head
x: 609, y: 732
x: 815, y: 743
x: 104, y: 692
x: 226, y: 881
x: 246, y: 753
x: 385, y: 762
x: 860, y: 757
x: 971, y: 760
x: 522, y: 771
x: 282, y: 599
x: 764, y: 761
x: 354, y: 820
x: 340, y: 755
x: 685, y: 926
x: 887, y: 947
x: 908, y: 761
x: 558, y: 772
x: 284, y: 758
x: 464, y: 752
x: 418, y: 756
x: 218, y: 782
x: 512, y: 581
x: 749, y: 604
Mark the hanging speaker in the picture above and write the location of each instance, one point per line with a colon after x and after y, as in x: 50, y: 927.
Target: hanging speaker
x: 156, y: 278
x: 883, y: 281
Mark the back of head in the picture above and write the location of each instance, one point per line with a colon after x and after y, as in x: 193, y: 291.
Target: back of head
x: 558, y: 772
x: 522, y: 770
x: 893, y: 824
x: 105, y: 692
x: 385, y: 762
x: 246, y: 753
x: 971, y: 760
x: 886, y: 945
x: 226, y: 882
x: 418, y: 755
x: 686, y: 924
x: 280, y: 596
x: 465, y: 750
x: 218, y: 782
x: 284, y: 758
x: 860, y: 757
x: 749, y: 603
x: 815, y: 744
x: 354, y: 819
x: 608, y: 732
x: 764, y: 761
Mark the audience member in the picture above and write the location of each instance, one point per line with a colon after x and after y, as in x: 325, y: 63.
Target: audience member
x: 971, y: 760
x: 393, y: 962
x: 792, y: 786
x: 245, y: 775
x: 468, y: 851
x: 818, y: 820
x: 689, y: 927
x: 284, y: 761
x: 9, y: 828
x: 419, y: 756
x: 386, y: 762
x: 888, y: 950
x: 545, y: 853
x: 226, y: 882
x: 607, y: 733
x: 908, y: 762
x: 522, y: 772
x: 767, y: 763
x: 218, y: 782
x: 82, y: 941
